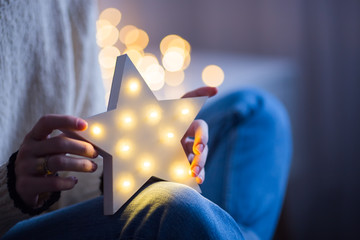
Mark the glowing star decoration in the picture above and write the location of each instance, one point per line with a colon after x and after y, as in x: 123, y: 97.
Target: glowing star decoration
x: 139, y: 136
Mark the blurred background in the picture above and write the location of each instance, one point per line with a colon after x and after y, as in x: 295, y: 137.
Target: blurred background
x: 307, y: 53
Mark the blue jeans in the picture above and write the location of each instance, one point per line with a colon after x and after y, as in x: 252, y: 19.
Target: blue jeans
x: 246, y: 174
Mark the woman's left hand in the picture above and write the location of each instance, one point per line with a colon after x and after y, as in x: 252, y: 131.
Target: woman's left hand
x: 195, y: 139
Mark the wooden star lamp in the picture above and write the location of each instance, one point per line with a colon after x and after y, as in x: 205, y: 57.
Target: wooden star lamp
x: 139, y: 136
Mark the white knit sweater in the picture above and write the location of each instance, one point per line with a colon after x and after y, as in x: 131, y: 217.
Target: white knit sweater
x: 48, y: 64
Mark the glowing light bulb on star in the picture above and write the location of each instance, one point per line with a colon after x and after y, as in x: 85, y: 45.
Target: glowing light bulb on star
x: 124, y: 182
x: 124, y: 148
x: 153, y: 114
x: 126, y: 120
x: 179, y: 171
x: 96, y: 130
x: 145, y: 164
x: 167, y: 135
x: 133, y: 86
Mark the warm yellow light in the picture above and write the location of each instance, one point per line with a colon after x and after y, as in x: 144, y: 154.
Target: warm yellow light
x: 126, y: 120
x: 134, y: 54
x: 101, y: 23
x: 185, y: 111
x: 124, y: 148
x: 133, y: 86
x: 174, y: 41
x: 139, y: 39
x: 112, y: 15
x: 154, y: 76
x: 128, y: 34
x: 167, y: 135
x: 173, y: 59
x: 107, y: 56
x: 145, y: 164
x: 213, y: 75
x: 124, y: 183
x: 96, y: 130
x: 146, y: 61
x: 152, y: 114
x: 107, y: 35
x: 179, y: 171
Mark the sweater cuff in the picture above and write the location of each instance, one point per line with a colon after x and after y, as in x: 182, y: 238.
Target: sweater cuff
x: 18, y: 202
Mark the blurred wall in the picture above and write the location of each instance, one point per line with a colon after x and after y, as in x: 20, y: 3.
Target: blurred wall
x: 323, y: 37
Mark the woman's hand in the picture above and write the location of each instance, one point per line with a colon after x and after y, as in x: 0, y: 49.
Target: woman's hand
x: 40, y: 156
x: 195, y: 139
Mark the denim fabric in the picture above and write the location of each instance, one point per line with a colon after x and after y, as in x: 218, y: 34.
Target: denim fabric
x: 246, y: 174
x: 250, y: 147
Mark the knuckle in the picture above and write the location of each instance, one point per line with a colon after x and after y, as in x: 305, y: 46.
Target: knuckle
x: 60, y: 142
x: 57, y: 162
x: 44, y: 119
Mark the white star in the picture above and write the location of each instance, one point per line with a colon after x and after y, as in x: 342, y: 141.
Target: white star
x: 139, y: 136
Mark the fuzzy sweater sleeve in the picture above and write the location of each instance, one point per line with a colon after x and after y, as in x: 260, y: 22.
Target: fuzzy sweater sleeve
x: 10, y: 215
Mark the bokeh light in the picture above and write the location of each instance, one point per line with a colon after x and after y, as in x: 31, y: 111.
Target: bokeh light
x: 174, y: 78
x: 112, y: 15
x: 173, y: 59
x: 107, y: 35
x: 213, y: 75
x: 133, y: 41
x: 107, y: 56
x: 128, y: 34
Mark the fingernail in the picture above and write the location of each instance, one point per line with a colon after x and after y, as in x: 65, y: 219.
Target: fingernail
x: 75, y: 179
x: 200, y: 148
x: 195, y: 171
x: 81, y: 124
x: 94, y: 167
x: 199, y: 180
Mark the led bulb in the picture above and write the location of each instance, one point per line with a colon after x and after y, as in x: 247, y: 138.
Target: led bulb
x: 170, y: 135
x: 153, y: 114
x: 124, y: 148
x: 124, y: 183
x: 96, y: 130
x: 126, y: 119
x: 185, y: 111
x: 133, y: 86
x: 179, y: 171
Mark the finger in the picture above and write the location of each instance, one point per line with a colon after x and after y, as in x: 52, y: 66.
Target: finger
x: 187, y: 145
x: 51, y: 183
x: 59, y: 162
x: 48, y: 123
x: 203, y: 91
x: 201, y: 177
x: 191, y: 158
x: 62, y: 145
x: 198, y: 162
x: 199, y: 130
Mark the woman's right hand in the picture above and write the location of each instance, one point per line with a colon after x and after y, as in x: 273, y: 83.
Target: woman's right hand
x: 40, y: 154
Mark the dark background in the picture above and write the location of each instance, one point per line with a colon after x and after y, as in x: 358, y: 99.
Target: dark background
x: 322, y: 37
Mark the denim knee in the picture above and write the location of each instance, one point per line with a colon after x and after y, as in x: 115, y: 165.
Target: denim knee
x: 174, y: 211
